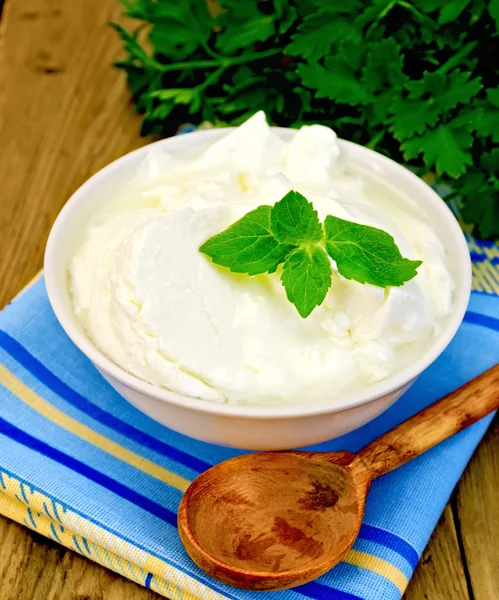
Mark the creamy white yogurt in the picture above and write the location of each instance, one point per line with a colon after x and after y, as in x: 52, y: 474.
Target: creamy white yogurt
x: 164, y: 312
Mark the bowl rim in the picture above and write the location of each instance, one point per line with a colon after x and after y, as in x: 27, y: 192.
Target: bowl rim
x: 350, y: 399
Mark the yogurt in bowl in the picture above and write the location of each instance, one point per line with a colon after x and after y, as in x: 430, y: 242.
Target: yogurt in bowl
x: 226, y: 357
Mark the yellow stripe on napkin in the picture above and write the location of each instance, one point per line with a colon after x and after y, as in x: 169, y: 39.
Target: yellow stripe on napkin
x: 36, y: 508
x: 29, y: 397
x: 149, y: 562
x: 19, y: 512
x: 379, y: 566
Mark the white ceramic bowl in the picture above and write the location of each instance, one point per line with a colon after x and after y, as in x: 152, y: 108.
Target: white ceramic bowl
x: 257, y: 428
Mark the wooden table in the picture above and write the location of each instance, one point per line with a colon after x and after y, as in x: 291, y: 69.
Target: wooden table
x: 65, y: 113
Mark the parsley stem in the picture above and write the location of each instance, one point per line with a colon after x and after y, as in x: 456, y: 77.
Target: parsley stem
x: 382, y: 14
x: 422, y: 18
x: 450, y: 196
x: 222, y: 62
x: 375, y: 140
x: 457, y: 59
x: 209, y: 80
x: 209, y: 51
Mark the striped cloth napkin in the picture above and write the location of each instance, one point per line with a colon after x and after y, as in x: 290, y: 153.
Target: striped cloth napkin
x: 83, y: 467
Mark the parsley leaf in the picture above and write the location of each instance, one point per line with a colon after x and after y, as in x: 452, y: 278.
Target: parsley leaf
x: 482, y: 207
x: 493, y: 96
x: 494, y: 11
x: 398, y: 76
x: 459, y: 89
x: 178, y: 28
x: 427, y: 100
x: 173, y: 96
x: 367, y: 254
x: 294, y: 220
x: 337, y: 80
x: 251, y: 26
x: 383, y: 66
x: 450, y: 11
x: 487, y: 116
x: 431, y: 5
x: 446, y: 146
x: 316, y: 35
x: 306, y: 277
x: 412, y: 117
x: 248, y: 245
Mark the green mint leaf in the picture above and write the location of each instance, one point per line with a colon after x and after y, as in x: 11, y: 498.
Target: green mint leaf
x: 306, y: 277
x: 291, y: 233
x: 248, y: 245
x: 367, y: 254
x: 294, y: 220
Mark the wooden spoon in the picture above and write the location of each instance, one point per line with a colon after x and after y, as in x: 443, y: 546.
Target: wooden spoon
x: 274, y: 520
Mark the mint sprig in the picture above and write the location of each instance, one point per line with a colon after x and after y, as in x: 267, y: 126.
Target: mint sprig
x: 367, y: 254
x: 248, y: 245
x: 294, y: 220
x: 306, y: 277
x: 290, y: 232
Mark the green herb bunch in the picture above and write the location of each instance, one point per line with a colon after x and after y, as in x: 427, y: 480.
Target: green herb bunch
x: 417, y: 80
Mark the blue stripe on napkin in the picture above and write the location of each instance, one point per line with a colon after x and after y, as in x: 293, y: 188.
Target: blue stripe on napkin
x: 82, y: 466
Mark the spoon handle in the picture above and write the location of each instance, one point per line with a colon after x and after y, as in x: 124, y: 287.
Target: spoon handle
x: 434, y: 424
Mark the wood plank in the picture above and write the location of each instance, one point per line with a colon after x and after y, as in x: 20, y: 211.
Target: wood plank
x: 440, y: 574
x: 36, y: 568
x: 477, y: 509
x: 65, y: 114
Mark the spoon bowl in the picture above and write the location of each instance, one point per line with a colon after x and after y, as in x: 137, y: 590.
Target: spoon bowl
x: 277, y: 519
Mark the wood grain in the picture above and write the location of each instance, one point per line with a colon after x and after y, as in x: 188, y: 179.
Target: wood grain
x: 34, y: 567
x: 64, y: 113
x: 440, y: 574
x: 476, y: 509
x: 434, y: 424
x: 274, y: 520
